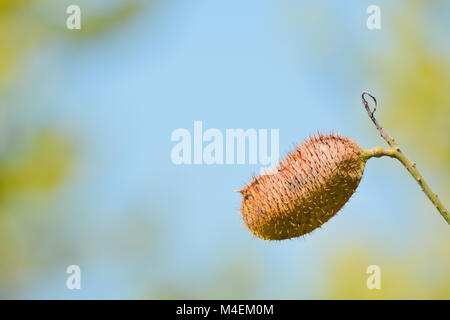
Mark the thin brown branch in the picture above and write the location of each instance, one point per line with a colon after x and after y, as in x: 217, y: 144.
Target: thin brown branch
x: 395, y: 152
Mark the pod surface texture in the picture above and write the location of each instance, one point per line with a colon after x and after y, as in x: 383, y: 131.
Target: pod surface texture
x: 306, y: 189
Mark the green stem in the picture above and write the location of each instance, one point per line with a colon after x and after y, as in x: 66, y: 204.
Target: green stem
x: 395, y: 152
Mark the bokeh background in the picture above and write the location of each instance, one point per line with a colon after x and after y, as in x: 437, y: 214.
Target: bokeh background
x: 85, y: 124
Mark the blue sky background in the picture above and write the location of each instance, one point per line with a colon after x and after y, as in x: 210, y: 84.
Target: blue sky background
x: 136, y: 223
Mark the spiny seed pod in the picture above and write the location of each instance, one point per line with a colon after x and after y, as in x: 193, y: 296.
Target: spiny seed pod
x: 307, y: 188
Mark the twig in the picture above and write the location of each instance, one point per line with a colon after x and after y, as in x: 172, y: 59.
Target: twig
x: 395, y: 152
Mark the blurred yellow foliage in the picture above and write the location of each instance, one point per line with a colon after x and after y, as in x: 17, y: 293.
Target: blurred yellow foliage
x: 415, y: 275
x: 22, y: 29
x: 18, y: 35
x: 8, y: 5
x: 416, y: 79
x: 39, y: 163
x: 40, y: 166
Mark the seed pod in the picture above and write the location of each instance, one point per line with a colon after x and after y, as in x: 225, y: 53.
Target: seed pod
x: 307, y: 188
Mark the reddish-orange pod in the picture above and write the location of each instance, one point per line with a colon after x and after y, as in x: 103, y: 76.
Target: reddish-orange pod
x: 306, y: 189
